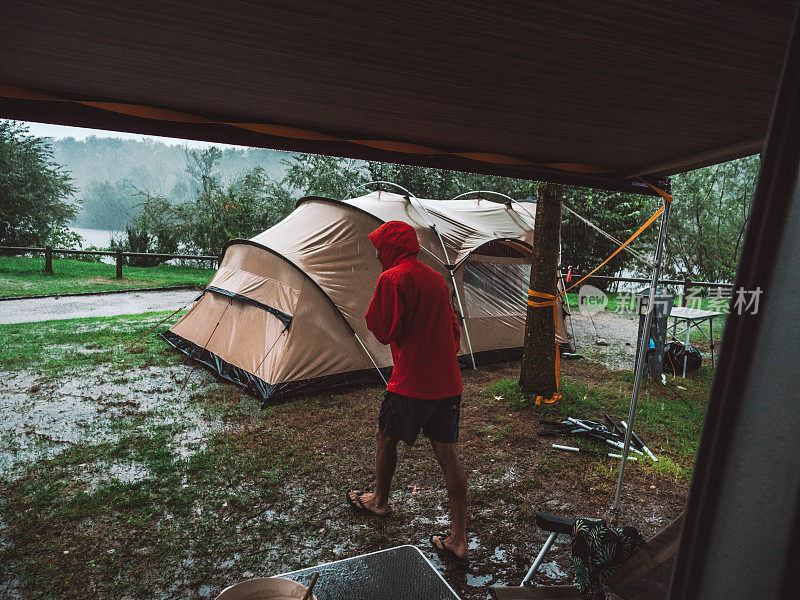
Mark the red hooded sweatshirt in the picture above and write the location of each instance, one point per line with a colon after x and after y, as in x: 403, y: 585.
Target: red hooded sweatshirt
x: 411, y: 312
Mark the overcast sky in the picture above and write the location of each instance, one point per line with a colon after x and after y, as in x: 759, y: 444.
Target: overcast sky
x: 80, y: 133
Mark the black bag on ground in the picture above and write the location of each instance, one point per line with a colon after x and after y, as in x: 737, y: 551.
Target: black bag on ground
x: 674, y: 356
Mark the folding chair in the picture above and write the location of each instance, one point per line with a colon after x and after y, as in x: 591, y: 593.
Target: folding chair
x: 644, y: 576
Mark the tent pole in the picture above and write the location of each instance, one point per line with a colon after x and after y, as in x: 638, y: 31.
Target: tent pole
x: 452, y: 278
x: 463, y: 316
x: 370, y: 357
x: 640, y: 357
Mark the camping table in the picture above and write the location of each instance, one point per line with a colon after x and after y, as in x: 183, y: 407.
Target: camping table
x: 692, y: 317
x: 400, y: 573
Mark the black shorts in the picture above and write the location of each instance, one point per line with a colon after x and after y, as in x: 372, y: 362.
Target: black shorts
x: 401, y: 418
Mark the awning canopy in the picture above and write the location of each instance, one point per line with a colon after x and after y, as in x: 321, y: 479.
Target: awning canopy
x: 588, y: 93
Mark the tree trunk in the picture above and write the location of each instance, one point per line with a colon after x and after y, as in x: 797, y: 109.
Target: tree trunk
x: 539, y: 360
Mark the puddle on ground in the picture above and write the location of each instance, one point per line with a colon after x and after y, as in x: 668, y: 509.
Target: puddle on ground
x: 478, y: 580
x: 42, y: 417
x: 500, y: 555
x: 97, y: 474
x: 192, y: 439
x: 511, y: 475
x: 552, y: 570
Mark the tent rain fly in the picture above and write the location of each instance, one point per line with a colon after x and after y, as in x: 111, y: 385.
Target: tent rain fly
x: 284, y: 314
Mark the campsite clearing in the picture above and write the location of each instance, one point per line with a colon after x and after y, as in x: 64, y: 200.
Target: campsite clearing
x: 116, y: 484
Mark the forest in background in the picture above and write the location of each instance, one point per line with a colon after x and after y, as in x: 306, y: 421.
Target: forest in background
x: 170, y: 199
x: 108, y: 174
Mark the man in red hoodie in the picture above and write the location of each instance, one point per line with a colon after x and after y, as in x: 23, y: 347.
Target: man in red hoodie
x: 411, y: 312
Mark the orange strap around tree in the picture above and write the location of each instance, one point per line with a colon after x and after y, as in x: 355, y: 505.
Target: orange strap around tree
x: 550, y: 299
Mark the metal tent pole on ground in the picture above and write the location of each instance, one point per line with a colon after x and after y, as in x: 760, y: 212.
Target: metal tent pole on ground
x: 640, y: 357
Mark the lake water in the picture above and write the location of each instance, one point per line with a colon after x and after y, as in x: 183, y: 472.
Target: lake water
x: 99, y: 238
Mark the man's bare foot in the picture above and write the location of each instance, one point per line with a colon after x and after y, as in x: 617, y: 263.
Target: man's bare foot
x: 366, y: 501
x: 457, y: 550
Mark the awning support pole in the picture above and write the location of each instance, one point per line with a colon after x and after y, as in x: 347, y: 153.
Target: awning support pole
x: 640, y: 357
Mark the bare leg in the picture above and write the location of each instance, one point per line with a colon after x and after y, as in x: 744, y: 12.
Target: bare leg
x: 456, y: 479
x: 385, y: 464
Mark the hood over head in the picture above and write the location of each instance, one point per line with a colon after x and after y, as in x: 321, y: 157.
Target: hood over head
x: 394, y: 240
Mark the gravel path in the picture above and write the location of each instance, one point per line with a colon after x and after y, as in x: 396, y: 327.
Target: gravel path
x: 105, y: 305
x: 619, y: 331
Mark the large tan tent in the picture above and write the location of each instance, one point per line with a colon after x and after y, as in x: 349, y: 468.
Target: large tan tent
x: 284, y: 314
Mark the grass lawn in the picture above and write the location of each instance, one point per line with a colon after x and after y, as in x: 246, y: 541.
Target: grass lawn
x: 25, y: 277
x: 621, y: 302
x: 126, y: 473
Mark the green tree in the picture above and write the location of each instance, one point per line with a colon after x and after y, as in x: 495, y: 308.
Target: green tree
x: 331, y: 177
x: 261, y: 202
x: 154, y: 228
x: 328, y: 176
x: 35, y: 192
x: 709, y: 218
x: 108, y: 205
x: 616, y: 213
x: 420, y: 181
x: 441, y: 184
x: 249, y: 204
x: 202, y: 167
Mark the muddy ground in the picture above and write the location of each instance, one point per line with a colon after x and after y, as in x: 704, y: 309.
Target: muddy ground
x: 116, y: 485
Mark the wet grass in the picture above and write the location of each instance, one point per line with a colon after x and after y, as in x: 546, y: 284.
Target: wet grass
x: 21, y: 276
x: 70, y: 537
x: 141, y: 512
x: 669, y: 418
x: 80, y: 344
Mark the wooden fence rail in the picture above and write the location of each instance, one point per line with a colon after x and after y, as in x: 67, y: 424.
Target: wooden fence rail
x: 118, y: 254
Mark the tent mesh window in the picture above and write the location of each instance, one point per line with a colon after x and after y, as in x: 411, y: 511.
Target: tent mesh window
x: 496, y: 278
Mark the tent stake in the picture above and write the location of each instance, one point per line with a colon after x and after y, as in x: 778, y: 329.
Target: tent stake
x: 640, y: 357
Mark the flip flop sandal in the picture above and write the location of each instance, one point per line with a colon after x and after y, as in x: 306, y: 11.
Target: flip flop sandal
x: 359, y: 506
x: 445, y: 551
